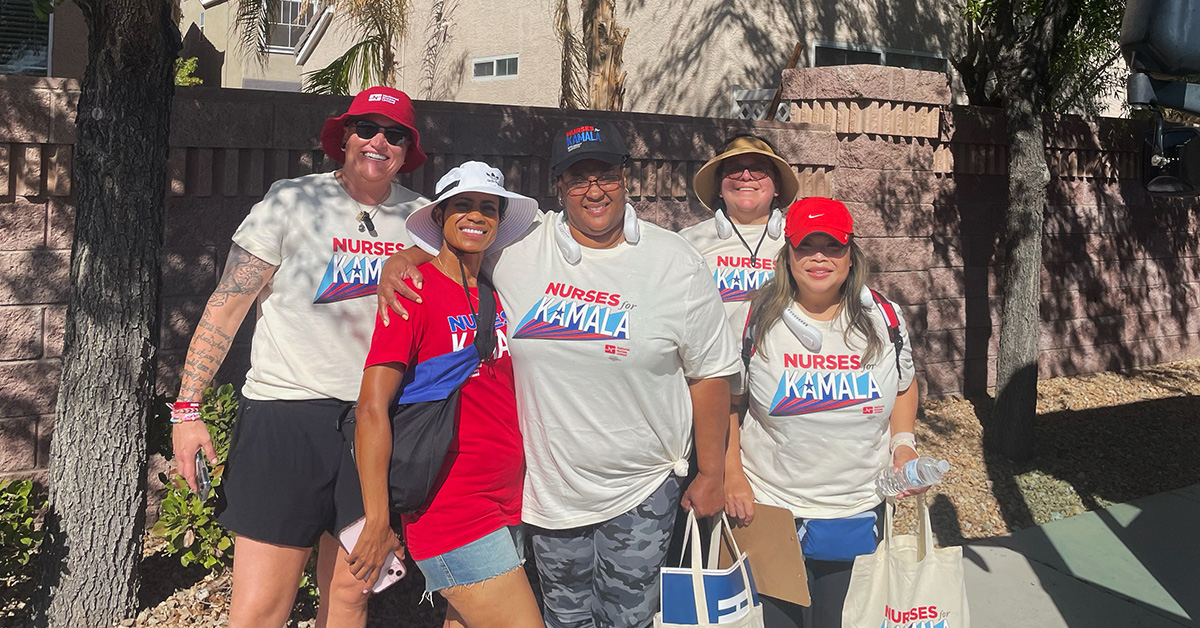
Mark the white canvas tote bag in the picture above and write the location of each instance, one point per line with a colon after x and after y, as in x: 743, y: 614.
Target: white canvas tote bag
x: 907, y: 582
x: 700, y: 596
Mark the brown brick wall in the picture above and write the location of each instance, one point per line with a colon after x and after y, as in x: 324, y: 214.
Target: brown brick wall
x: 926, y: 183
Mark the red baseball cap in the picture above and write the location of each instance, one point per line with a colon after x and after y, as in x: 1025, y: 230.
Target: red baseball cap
x: 817, y: 214
x: 386, y: 101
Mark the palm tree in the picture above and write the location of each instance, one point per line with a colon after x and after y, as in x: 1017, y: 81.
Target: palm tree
x: 598, y: 54
x: 379, y: 24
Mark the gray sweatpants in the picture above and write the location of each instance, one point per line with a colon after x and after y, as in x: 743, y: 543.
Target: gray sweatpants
x: 606, y: 575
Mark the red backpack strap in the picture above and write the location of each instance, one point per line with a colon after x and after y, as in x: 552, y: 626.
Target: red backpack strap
x: 893, y: 323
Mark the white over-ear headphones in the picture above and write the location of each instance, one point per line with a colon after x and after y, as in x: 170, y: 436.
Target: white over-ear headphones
x: 724, y: 226
x: 566, y: 242
x: 864, y: 296
x: 570, y: 248
x: 775, y: 224
x: 633, y: 229
x: 808, y: 335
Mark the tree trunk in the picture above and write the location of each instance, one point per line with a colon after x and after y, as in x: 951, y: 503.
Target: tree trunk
x: 1012, y: 420
x: 88, y: 567
x: 1023, y: 63
x: 605, y: 43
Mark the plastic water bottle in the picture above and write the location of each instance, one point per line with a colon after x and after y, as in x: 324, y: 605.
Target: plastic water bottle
x: 923, y: 471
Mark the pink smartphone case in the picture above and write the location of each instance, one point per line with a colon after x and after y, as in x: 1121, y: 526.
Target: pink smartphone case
x: 393, y: 568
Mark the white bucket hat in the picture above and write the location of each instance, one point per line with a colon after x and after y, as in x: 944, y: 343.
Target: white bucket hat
x: 473, y: 176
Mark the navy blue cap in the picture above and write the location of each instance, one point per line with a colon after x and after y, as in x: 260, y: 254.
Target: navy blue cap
x: 587, y: 140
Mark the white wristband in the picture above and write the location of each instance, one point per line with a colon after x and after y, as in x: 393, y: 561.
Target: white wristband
x: 900, y: 440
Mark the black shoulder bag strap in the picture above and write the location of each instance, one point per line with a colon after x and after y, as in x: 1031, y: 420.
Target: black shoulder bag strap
x: 485, y: 320
x: 748, y: 341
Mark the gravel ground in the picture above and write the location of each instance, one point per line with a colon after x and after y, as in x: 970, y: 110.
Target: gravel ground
x: 1101, y: 439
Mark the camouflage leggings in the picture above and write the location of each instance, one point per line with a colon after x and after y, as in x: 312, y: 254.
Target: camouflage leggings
x: 606, y: 575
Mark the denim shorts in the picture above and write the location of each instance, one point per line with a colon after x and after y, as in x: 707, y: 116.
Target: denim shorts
x: 482, y: 559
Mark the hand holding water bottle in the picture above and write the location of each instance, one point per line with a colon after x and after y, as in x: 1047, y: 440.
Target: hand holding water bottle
x: 914, y: 476
x: 902, y: 453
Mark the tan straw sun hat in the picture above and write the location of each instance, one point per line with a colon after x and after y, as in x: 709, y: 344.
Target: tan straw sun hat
x: 707, y: 182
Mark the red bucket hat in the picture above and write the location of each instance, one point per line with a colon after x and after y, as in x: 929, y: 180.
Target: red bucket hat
x: 386, y: 101
x: 817, y: 214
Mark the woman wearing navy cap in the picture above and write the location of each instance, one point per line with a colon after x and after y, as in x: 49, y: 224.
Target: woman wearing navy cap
x: 308, y: 254
x: 830, y: 404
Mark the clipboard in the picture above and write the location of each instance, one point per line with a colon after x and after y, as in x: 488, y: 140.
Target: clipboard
x: 771, y: 546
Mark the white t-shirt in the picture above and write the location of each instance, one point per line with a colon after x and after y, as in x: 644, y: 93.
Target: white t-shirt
x: 816, y: 434
x: 736, y: 273
x: 315, y: 317
x: 602, y: 351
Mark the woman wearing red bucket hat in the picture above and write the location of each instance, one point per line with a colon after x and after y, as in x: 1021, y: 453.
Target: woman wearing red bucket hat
x: 308, y: 255
x: 829, y: 404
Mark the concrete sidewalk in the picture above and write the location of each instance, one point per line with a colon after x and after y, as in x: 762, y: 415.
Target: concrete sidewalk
x: 1134, y: 564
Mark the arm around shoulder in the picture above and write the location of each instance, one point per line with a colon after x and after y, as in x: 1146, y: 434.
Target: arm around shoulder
x: 396, y: 269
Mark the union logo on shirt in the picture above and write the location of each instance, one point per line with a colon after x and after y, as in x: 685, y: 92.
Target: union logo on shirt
x: 353, y: 269
x: 569, y: 313
x: 804, y: 392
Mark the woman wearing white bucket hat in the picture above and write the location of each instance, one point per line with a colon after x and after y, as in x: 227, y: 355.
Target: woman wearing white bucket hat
x: 468, y: 532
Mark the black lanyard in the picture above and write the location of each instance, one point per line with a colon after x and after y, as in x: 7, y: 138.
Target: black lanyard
x: 753, y: 253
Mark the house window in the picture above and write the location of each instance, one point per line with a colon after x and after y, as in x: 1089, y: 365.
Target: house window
x: 826, y: 53
x: 494, y: 68
x: 916, y: 61
x: 285, y: 26
x: 24, y: 40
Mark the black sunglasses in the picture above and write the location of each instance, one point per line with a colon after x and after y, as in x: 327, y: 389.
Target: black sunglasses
x: 365, y: 129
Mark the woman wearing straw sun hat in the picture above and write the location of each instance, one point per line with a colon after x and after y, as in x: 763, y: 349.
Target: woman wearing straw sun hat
x: 468, y: 532
x: 746, y: 186
x: 307, y: 255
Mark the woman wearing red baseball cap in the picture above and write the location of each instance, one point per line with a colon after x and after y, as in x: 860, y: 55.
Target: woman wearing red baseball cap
x: 308, y: 255
x: 829, y: 404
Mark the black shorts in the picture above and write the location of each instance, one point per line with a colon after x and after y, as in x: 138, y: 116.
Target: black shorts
x: 290, y: 475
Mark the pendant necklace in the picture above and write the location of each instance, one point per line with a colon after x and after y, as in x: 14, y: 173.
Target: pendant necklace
x: 364, y: 219
x: 364, y: 216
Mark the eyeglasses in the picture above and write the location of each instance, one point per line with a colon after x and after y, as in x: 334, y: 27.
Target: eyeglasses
x: 365, y: 129
x: 606, y: 183
x: 757, y: 171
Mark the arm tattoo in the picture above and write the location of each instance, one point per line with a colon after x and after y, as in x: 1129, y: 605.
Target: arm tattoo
x: 245, y: 275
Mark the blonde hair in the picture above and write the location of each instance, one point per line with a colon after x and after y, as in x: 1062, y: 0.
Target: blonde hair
x: 775, y: 296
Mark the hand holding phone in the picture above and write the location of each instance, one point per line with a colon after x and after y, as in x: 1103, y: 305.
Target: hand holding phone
x: 203, y: 479
x: 393, y: 568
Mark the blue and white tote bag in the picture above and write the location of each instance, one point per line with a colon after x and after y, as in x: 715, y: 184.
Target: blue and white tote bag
x: 702, y: 595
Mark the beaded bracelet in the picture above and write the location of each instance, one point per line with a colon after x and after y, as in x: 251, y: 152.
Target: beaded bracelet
x: 185, y: 412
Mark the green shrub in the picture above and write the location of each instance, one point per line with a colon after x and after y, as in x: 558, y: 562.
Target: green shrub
x: 20, y: 503
x: 188, y: 523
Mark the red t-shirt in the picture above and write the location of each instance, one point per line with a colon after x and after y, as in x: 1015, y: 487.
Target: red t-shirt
x: 481, y: 481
